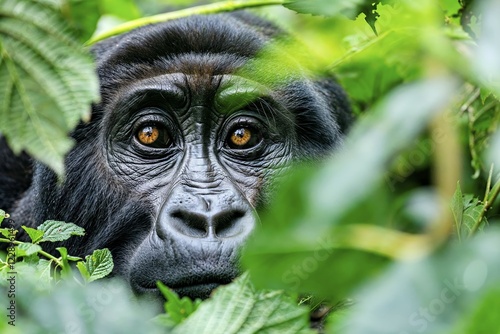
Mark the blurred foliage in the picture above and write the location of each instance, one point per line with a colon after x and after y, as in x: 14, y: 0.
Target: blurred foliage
x: 402, y: 220
x: 236, y: 308
x: 101, y: 307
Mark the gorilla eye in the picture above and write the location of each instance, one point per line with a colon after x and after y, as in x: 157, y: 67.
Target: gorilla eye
x: 153, y: 136
x: 243, y: 137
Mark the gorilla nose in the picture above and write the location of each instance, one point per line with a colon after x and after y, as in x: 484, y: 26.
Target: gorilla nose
x: 189, y: 214
x: 220, y: 224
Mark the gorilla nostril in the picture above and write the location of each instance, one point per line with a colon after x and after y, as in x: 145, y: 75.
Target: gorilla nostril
x: 228, y: 223
x: 190, y: 224
x: 222, y: 224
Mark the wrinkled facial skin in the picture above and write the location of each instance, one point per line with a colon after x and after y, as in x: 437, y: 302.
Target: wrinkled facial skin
x: 203, y: 178
x: 182, y: 151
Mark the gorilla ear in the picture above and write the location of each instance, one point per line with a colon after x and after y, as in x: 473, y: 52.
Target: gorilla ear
x: 339, y: 102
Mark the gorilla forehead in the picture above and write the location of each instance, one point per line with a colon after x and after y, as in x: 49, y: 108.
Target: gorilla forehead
x: 214, y: 44
x: 222, y: 94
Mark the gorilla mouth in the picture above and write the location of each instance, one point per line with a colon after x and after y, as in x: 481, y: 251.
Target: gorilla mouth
x: 201, y: 291
x: 200, y: 288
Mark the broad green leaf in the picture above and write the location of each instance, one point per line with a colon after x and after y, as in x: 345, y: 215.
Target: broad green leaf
x: 297, y: 244
x: 26, y: 249
x: 34, y: 234
x: 2, y: 215
x: 238, y: 308
x: 48, y: 81
x: 59, y: 231
x: 457, y: 208
x: 99, y: 264
x: 433, y: 295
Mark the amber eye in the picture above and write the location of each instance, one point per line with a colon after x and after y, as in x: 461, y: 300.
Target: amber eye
x: 153, y: 136
x: 243, y: 137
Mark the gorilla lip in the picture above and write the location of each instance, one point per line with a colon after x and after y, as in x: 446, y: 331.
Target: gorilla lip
x: 192, y: 280
x: 201, y: 289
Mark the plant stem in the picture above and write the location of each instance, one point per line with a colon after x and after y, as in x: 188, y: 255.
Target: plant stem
x: 488, y: 202
x: 41, y: 252
x: 218, y: 7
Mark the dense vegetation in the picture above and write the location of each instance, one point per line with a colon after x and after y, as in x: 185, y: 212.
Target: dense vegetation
x: 395, y: 234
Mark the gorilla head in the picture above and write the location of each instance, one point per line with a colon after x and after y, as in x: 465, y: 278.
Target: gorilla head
x: 182, y: 148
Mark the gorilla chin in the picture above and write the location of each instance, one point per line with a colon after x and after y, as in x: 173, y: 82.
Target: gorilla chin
x: 181, y: 151
x: 203, y: 265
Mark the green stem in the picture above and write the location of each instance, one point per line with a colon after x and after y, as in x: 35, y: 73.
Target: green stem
x: 41, y: 252
x: 488, y: 202
x: 218, y: 7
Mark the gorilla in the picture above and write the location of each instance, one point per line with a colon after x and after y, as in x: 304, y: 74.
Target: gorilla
x: 181, y: 151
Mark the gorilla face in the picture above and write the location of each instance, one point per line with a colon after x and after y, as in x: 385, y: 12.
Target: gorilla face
x: 182, y: 150
x: 174, y: 141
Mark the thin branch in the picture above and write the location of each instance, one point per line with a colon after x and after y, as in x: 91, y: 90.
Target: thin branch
x: 218, y: 7
x: 41, y: 252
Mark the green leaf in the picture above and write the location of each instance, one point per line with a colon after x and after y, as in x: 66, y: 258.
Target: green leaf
x: 2, y: 215
x: 31, y: 259
x: 65, y: 267
x: 58, y: 231
x: 5, y: 232
x: 165, y: 320
x: 83, y: 271
x: 177, y: 309
x: 27, y: 249
x: 472, y: 212
x: 43, y: 269
x: 97, y: 265
x: 237, y: 308
x: 35, y: 235
x: 48, y: 81
x: 457, y: 208
x: 83, y: 17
